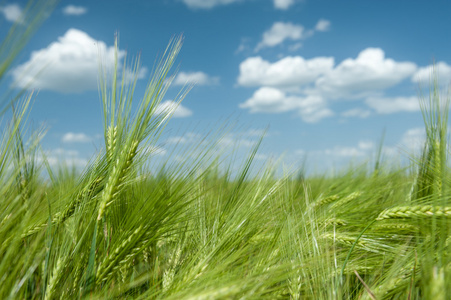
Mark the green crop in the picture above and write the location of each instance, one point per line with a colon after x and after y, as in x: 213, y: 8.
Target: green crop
x: 194, y: 231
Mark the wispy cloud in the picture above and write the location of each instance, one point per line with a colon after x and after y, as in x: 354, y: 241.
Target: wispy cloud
x: 72, y: 137
x: 187, y: 138
x: 58, y: 156
x: 198, y: 78
x: 283, y: 4
x: 287, y: 31
x: 207, y: 4
x: 341, y: 151
x: 322, y: 25
x: 72, y: 10
x: 390, y: 105
x: 178, y: 110
x: 356, y: 113
x: 280, y: 32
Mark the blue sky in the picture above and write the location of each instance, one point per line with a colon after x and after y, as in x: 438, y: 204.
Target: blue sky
x: 326, y: 77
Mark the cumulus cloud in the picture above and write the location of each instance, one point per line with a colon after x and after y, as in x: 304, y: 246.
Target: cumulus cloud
x: 390, y: 105
x: 322, y: 25
x: 271, y: 100
x: 72, y: 10
x: 317, y: 81
x: 72, y: 137
x: 178, y: 110
x: 443, y: 72
x: 207, y: 4
x: 279, y: 32
x: 69, y: 65
x: 198, y: 78
x: 12, y: 12
x: 368, y: 73
x: 290, y: 71
x: 283, y: 4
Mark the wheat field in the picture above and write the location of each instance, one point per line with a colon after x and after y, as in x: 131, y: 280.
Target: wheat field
x: 193, y: 230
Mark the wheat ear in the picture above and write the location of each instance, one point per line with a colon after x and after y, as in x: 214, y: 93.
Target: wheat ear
x: 418, y: 211
x: 116, y: 180
x: 111, y: 142
x: 54, y: 279
x: 88, y: 192
x: 109, y: 263
x: 326, y: 200
x: 347, y: 199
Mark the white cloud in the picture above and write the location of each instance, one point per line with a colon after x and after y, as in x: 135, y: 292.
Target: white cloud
x: 366, y: 145
x: 414, y: 136
x: 300, y: 152
x: 259, y: 156
x: 413, y: 140
x: 74, y: 10
x: 65, y: 152
x: 315, y: 82
x: 279, y: 32
x: 291, y: 71
x: 443, y: 71
x: 71, y: 137
x: 271, y: 100
x: 344, y: 151
x: 362, y: 149
x: 356, y: 112
x: 233, y: 141
x: 12, y: 12
x: 69, y: 65
x: 283, y: 4
x: 244, y: 45
x: 178, y: 110
x: 189, y: 137
x: 207, y: 4
x: 322, y: 25
x: 368, y: 73
x: 295, y: 47
x: 386, y: 105
x: 198, y: 78
x: 61, y: 156
x: 256, y: 132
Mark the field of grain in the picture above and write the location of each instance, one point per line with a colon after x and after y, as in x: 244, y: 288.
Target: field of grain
x: 194, y: 231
